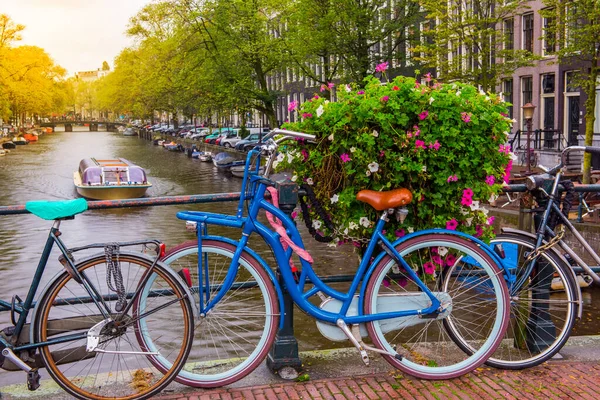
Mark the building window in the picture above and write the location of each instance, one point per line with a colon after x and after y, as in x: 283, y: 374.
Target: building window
x: 507, y: 90
x: 526, y: 94
x: 549, y: 40
x: 548, y: 84
x: 528, y: 32
x: 509, y: 34
x: 570, y: 86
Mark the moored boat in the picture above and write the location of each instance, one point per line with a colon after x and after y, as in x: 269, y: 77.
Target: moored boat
x: 30, y: 137
x: 238, y: 171
x: 2, y: 152
x: 206, y: 157
x: 129, y: 132
x: 8, y: 145
x: 19, y: 140
x: 110, y: 179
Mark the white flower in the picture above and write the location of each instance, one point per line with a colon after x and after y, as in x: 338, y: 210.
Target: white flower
x: 346, y: 231
x: 375, y: 133
x: 368, y: 173
x: 474, y: 205
x: 469, y: 221
x: 309, y: 181
x: 280, y: 157
x: 453, y: 86
x: 501, y: 96
x: 334, y: 198
x: 330, y: 137
x: 364, y: 221
x: 481, y: 92
x: 513, y: 120
x: 512, y: 156
x: 401, y: 159
x: 458, y: 92
x: 320, y: 110
x: 493, y: 198
x: 294, y: 178
x: 442, y: 251
x: 410, y: 229
x: 316, y: 224
x: 487, y: 98
x: 396, y: 269
x: 424, y: 168
x: 373, y: 167
x: 431, y: 99
x: 290, y: 157
x: 506, y: 133
x: 275, y: 164
x: 352, y: 149
x: 464, y: 211
x: 352, y: 226
x: 484, y: 211
x: 348, y: 88
x: 327, y: 102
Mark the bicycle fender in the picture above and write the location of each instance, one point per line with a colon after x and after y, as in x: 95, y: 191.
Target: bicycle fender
x: 533, y: 237
x: 265, y: 267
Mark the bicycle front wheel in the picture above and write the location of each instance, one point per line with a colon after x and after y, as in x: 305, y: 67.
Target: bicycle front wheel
x: 120, y: 367
x: 474, y: 303
x: 235, y: 336
x: 543, y: 309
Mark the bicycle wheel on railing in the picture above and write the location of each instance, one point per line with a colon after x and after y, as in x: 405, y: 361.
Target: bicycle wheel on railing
x: 234, y: 337
x: 543, y: 310
x: 121, y: 366
x: 475, y: 307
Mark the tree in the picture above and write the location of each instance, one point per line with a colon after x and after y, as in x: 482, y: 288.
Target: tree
x: 468, y: 42
x: 9, y: 31
x: 105, y: 66
x: 576, y: 28
x: 347, y: 38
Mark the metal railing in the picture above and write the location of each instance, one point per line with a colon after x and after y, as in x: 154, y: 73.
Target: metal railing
x: 541, y: 139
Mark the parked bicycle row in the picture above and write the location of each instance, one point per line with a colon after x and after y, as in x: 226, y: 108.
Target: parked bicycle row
x: 435, y: 303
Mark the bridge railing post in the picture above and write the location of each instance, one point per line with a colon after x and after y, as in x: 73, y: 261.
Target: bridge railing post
x: 283, y: 358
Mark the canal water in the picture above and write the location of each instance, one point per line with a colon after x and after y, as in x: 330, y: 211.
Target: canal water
x: 44, y: 171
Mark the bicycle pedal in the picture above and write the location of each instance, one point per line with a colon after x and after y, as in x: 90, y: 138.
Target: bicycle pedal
x: 33, y: 379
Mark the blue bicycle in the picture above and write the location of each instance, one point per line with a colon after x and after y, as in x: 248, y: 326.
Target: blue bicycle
x: 414, y: 298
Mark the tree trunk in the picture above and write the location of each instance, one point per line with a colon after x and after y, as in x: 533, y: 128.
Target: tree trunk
x: 590, y: 118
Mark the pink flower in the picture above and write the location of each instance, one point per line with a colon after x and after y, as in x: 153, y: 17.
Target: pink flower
x: 419, y: 144
x: 478, y: 231
x: 504, y: 115
x: 384, y: 99
x: 452, y: 224
x: 304, y: 154
x: 294, y: 214
x: 504, y: 149
x: 428, y: 77
x: 306, y: 115
x: 452, y: 178
x: 330, y: 85
x: 423, y: 115
x: 360, y: 92
x: 466, y: 117
x: 429, y: 268
x: 490, y: 180
x: 416, y: 129
x: 345, y: 157
x: 323, y: 87
x: 466, y: 201
x: 490, y: 220
x: 507, y: 171
x: 450, y: 260
x: 400, y: 233
x: 436, y: 146
x: 292, y: 106
x: 437, y: 259
x: 395, y: 88
x: 316, y: 96
x: 381, y: 67
x: 381, y: 153
x: 468, y: 192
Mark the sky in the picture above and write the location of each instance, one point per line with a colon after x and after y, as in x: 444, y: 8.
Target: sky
x: 78, y: 34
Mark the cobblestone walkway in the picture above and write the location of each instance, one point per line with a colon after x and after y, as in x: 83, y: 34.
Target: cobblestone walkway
x: 556, y: 380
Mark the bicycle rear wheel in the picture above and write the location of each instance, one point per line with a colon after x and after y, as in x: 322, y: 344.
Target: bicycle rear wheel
x: 543, y: 310
x: 120, y: 368
x: 235, y: 336
x: 474, y: 301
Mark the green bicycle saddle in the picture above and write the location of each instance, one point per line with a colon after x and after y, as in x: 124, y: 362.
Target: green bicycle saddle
x: 56, y: 209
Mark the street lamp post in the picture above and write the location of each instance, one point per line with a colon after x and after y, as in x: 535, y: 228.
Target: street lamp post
x: 528, y: 110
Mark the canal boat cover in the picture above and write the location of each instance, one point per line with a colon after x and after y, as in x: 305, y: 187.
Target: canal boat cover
x: 111, y: 172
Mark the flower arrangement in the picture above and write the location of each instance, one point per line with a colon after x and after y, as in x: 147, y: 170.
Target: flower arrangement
x: 444, y: 142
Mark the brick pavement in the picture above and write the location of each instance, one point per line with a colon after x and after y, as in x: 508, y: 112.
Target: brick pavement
x: 553, y: 380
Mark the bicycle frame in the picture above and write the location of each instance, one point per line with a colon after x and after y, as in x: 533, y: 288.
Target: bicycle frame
x: 249, y: 225
x: 94, y: 296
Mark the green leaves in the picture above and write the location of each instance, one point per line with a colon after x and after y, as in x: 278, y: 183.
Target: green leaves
x: 436, y: 148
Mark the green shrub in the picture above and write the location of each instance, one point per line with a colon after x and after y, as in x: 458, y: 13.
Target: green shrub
x: 444, y: 142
